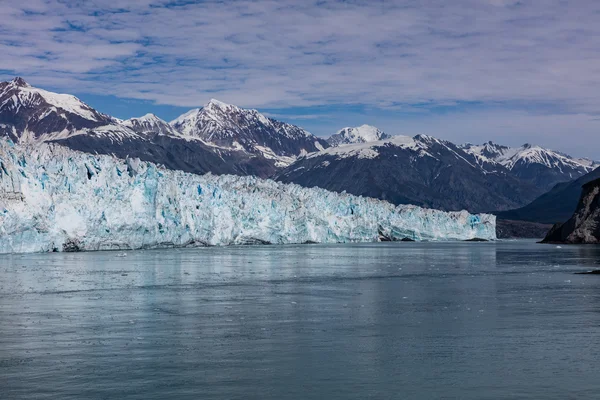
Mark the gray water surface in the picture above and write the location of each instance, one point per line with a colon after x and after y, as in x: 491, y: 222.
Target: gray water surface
x: 390, y: 320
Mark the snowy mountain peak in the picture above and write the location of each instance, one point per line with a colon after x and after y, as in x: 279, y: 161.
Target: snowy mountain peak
x: 232, y: 128
x: 218, y: 104
x: 425, y: 138
x: 149, y: 117
x: 188, y: 118
x: 20, y: 82
x: 18, y: 94
x: 359, y: 134
x: 528, y: 160
x: 150, y: 125
x: 29, y: 114
x: 487, y: 151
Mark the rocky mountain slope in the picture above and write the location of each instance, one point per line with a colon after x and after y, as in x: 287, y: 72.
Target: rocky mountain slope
x: 218, y: 138
x: 584, y: 225
x: 542, y: 167
x: 234, y: 128
x: 422, y: 170
x: 151, y: 126
x: 29, y: 114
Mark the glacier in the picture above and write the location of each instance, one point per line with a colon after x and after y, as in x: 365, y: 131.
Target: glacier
x: 56, y: 199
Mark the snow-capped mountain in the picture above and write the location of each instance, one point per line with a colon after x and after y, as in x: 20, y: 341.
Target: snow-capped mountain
x: 421, y: 170
x: 29, y: 114
x: 542, y: 167
x: 150, y: 125
x: 226, y: 139
x: 359, y: 134
x: 33, y: 115
x: 57, y: 199
x: 234, y: 128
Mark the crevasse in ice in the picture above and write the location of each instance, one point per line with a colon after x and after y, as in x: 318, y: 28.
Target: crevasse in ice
x: 55, y: 199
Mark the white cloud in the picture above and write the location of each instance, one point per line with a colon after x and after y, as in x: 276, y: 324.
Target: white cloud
x: 277, y: 54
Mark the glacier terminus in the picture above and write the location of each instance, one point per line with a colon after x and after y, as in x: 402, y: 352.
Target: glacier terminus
x: 56, y: 199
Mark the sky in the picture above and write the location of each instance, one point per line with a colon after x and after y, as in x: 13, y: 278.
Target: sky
x: 462, y: 70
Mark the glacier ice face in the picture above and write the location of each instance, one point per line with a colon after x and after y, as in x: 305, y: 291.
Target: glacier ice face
x: 55, y: 199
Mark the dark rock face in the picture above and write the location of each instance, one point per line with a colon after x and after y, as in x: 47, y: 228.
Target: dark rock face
x: 584, y: 225
x: 422, y: 170
x: 174, y: 153
x: 554, y: 206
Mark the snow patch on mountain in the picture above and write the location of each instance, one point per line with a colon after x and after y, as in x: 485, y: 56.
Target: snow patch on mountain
x: 369, y: 149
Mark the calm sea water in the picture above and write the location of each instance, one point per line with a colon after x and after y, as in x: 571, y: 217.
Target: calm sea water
x: 381, y: 321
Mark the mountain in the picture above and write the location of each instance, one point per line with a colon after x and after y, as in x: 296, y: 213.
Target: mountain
x: 29, y: 114
x: 359, y: 134
x: 584, y: 225
x: 225, y: 139
x: 542, y: 167
x: 557, y: 205
x: 421, y: 170
x: 234, y: 128
x: 151, y: 126
x: 32, y: 115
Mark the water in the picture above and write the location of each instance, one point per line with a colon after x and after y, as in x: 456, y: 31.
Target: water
x: 381, y: 321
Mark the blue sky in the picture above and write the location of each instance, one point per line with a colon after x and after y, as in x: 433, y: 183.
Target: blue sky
x: 463, y: 70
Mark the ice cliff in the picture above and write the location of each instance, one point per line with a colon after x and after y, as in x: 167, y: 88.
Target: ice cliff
x: 56, y: 199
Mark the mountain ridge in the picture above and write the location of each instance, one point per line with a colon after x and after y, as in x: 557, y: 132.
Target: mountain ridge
x: 430, y: 173
x: 225, y: 139
x: 541, y: 166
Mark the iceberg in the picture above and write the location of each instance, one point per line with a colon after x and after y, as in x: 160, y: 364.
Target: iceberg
x: 56, y: 199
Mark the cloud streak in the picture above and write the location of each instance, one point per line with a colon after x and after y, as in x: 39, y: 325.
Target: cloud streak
x: 272, y: 53
x: 280, y: 54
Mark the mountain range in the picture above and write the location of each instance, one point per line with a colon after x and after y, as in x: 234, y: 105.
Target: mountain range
x: 542, y: 167
x: 225, y: 139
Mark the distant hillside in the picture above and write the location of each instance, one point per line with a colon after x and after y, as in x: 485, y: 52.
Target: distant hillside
x: 555, y: 206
